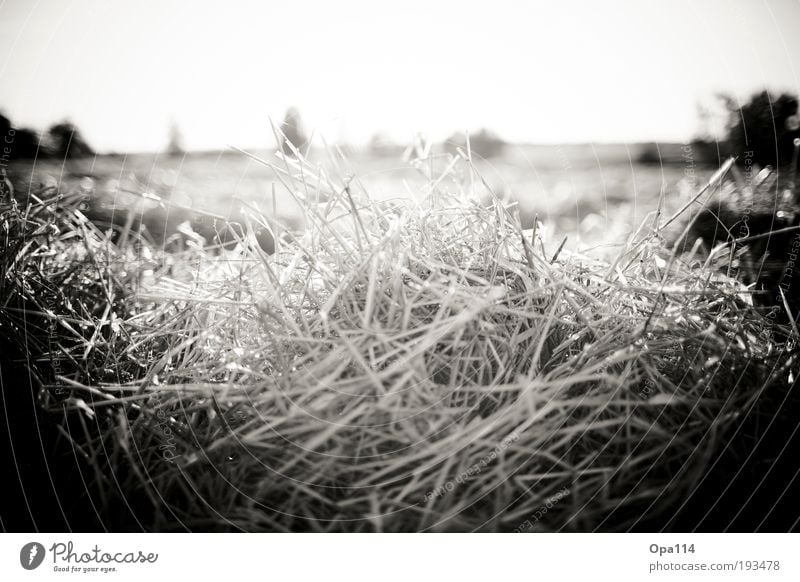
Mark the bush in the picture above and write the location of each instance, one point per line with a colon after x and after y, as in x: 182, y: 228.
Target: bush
x: 64, y: 141
x: 766, y: 125
x: 17, y: 143
x: 483, y: 144
x: 294, y: 136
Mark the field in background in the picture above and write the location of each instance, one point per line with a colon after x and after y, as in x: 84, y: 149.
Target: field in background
x: 433, y: 368
x: 595, y: 195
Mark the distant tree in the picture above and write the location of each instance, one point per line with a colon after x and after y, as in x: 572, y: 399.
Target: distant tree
x: 5, y: 126
x: 175, y: 143
x: 485, y: 143
x: 649, y: 154
x: 703, y: 132
x: 766, y: 126
x: 26, y: 144
x: 380, y: 146
x: 64, y: 140
x: 705, y: 147
x: 292, y: 128
x: 20, y: 142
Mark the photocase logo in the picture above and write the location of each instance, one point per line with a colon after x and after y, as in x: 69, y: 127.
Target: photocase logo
x: 31, y: 555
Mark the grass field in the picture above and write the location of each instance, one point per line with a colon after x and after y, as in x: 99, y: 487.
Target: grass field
x: 420, y: 357
x: 594, y: 195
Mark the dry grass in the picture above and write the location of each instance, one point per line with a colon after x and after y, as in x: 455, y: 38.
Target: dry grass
x: 398, y: 366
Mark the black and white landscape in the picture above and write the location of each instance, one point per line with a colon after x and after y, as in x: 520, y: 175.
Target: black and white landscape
x: 409, y: 267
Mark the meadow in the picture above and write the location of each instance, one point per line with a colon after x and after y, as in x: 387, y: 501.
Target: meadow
x: 420, y: 355
x: 595, y: 195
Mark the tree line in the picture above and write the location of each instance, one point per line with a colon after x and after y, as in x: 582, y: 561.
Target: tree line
x: 765, y: 128
x: 762, y: 129
x: 61, y: 140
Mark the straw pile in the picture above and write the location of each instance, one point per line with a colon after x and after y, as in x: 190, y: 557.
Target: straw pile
x: 398, y: 366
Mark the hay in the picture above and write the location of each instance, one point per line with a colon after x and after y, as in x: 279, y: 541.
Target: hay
x: 399, y: 366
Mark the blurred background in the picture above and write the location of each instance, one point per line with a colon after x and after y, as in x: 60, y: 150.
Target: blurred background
x: 585, y: 113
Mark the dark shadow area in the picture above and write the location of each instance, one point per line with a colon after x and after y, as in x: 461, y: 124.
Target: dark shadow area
x: 43, y: 488
x: 755, y: 483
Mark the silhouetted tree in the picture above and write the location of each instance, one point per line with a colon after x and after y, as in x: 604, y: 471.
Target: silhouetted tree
x: 16, y: 143
x: 766, y: 126
x: 649, y: 154
x: 485, y: 143
x: 5, y: 125
x: 705, y: 146
x: 64, y: 140
x: 26, y: 144
x: 380, y: 145
x: 293, y: 131
x: 175, y: 143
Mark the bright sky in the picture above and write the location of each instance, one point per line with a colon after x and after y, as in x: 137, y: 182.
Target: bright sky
x: 553, y: 71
